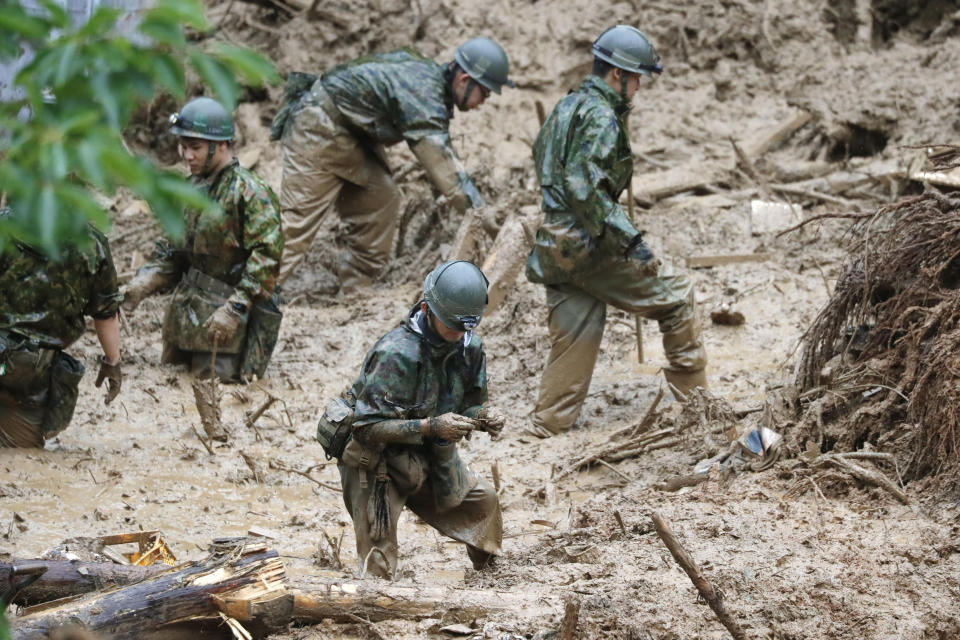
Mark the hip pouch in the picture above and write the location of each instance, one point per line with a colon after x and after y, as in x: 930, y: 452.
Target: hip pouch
x: 189, y: 310
x: 333, y: 430
x: 65, y: 374
x: 262, y: 332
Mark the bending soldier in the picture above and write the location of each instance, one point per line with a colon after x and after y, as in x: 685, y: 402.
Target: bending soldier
x: 587, y: 252
x: 421, y: 390
x: 42, y: 307
x: 333, y: 132
x: 225, y: 270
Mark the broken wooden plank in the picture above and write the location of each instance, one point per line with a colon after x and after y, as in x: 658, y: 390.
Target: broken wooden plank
x: 766, y: 139
x: 943, y: 178
x: 62, y: 579
x: 695, y: 262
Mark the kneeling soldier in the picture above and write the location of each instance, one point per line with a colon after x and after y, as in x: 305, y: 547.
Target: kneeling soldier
x: 421, y: 390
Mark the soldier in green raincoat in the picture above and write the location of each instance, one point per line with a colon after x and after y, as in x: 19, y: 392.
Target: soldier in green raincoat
x: 224, y: 309
x: 587, y: 252
x: 421, y: 389
x: 43, y: 302
x: 333, y: 131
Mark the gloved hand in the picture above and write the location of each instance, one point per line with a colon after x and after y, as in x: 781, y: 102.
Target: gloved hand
x: 639, y: 250
x: 111, y: 373
x: 491, y: 421
x: 451, y: 427
x: 133, y: 295
x: 223, y: 324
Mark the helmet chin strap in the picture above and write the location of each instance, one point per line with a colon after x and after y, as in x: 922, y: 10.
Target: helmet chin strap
x: 211, y: 150
x: 471, y: 85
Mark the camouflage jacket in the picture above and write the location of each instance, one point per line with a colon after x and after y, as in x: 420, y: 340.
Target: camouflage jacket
x: 583, y: 162
x: 391, y: 97
x: 411, y: 373
x: 45, y: 300
x: 239, y: 244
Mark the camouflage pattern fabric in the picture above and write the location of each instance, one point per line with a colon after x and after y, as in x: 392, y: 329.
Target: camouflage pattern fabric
x: 411, y: 373
x: 239, y: 244
x: 584, y: 162
x: 399, y: 96
x: 46, y: 300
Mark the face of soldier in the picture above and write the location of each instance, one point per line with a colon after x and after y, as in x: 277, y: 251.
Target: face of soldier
x: 633, y: 81
x: 445, y: 332
x: 194, y: 152
x: 477, y: 97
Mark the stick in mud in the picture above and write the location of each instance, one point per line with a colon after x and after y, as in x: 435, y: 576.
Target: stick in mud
x: 571, y: 616
x: 706, y: 589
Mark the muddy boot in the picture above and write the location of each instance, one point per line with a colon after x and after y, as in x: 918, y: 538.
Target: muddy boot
x: 681, y: 382
x: 480, y: 558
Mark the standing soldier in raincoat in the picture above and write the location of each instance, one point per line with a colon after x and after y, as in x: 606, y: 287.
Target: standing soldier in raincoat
x: 422, y: 388
x: 224, y: 307
x: 587, y: 252
x: 43, y: 302
x: 334, y: 130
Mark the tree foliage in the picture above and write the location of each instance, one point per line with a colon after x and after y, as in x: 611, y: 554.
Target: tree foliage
x: 63, y: 139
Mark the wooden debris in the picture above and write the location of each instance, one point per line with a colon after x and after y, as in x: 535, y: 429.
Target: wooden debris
x: 943, y: 178
x: 62, y: 579
x: 766, y: 139
x: 870, y: 476
x: 623, y: 449
x: 707, y: 590
x: 695, y: 262
x: 465, y: 244
x: 679, y: 482
x: 140, y: 610
x: 571, y: 616
x: 505, y: 260
x: 207, y: 394
x: 252, y: 419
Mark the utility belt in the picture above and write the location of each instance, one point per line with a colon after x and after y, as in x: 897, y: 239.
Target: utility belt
x: 207, y: 283
x: 29, y: 351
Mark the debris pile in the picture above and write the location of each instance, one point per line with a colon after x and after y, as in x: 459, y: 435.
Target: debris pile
x: 881, y: 365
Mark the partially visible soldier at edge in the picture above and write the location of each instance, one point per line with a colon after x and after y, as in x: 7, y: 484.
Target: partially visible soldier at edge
x: 422, y: 388
x: 333, y: 131
x: 587, y: 252
x: 42, y: 307
x: 224, y: 309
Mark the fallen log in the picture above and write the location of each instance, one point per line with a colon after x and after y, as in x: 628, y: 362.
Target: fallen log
x: 506, y: 259
x: 234, y: 569
x: 61, y: 579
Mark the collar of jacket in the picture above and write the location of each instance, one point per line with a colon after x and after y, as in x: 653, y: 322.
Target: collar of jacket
x: 448, y: 98
x: 211, y: 181
x: 596, y: 84
x: 418, y: 324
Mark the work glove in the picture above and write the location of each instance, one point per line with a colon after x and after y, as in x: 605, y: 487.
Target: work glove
x: 491, y: 421
x: 639, y: 250
x: 142, y: 285
x: 111, y: 373
x: 223, y: 324
x: 451, y: 427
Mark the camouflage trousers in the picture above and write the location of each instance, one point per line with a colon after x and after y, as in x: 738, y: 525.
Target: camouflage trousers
x: 38, y: 394
x: 326, y: 167
x: 577, y: 316
x: 475, y: 520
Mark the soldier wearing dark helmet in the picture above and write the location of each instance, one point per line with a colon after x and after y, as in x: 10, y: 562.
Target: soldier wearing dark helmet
x: 334, y: 130
x: 225, y: 269
x: 421, y: 389
x: 587, y: 252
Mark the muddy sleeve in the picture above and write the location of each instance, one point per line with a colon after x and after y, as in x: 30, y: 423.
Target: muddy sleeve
x: 588, y: 186
x: 105, y: 297
x: 385, y: 399
x: 263, y: 239
x: 476, y: 387
x: 165, y: 267
x: 445, y: 170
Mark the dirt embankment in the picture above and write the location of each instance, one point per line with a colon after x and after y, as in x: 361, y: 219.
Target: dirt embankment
x: 835, y: 563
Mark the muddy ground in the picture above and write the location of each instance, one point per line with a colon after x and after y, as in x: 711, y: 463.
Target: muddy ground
x: 824, y: 564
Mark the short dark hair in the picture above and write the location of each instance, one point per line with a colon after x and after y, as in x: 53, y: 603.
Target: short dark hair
x: 601, y: 67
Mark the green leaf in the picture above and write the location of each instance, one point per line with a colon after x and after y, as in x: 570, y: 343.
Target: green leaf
x: 46, y: 217
x: 188, y: 12
x: 100, y: 81
x: 249, y: 65
x: 164, y: 32
x: 65, y: 66
x: 217, y: 77
x: 169, y: 74
x: 79, y: 199
x: 88, y: 153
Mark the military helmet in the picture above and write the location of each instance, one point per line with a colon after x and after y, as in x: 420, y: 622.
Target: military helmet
x: 456, y: 293
x: 486, y: 62
x: 629, y: 49
x: 202, y: 118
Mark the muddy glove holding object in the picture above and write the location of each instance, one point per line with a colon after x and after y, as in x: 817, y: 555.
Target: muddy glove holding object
x: 639, y: 250
x: 224, y: 322
x: 142, y: 285
x: 451, y: 427
x: 111, y: 373
x: 491, y: 421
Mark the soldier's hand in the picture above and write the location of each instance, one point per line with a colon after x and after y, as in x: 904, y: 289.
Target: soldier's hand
x: 223, y: 324
x: 491, y: 421
x: 133, y: 295
x: 451, y: 427
x: 111, y: 373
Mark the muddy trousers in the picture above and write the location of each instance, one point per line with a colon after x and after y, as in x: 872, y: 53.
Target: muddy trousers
x: 577, y: 315
x: 476, y: 521
x: 325, y: 167
x: 38, y: 394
